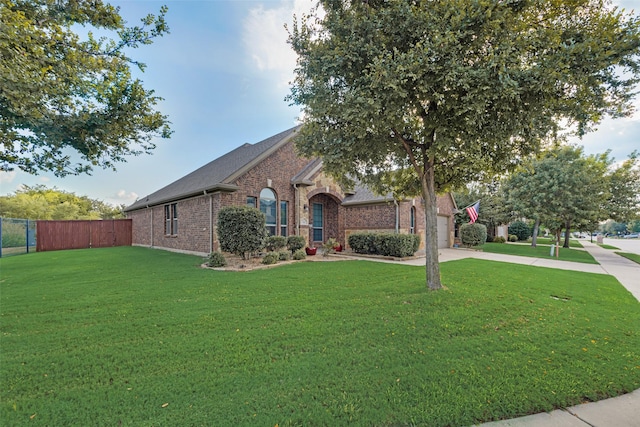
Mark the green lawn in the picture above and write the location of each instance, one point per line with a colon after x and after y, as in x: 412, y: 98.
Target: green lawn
x: 140, y: 337
x: 603, y: 246
x: 540, y: 251
x: 631, y: 256
x: 573, y: 243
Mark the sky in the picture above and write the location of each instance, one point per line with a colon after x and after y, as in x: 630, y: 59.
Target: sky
x: 224, y: 71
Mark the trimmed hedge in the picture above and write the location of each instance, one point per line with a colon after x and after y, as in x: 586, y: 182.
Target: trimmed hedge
x: 241, y: 230
x: 295, y: 243
x: 473, y: 234
x: 385, y: 244
x: 520, y: 229
x: 275, y: 243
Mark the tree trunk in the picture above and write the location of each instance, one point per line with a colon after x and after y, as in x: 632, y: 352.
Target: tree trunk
x: 566, y: 234
x: 534, y: 236
x: 431, y: 230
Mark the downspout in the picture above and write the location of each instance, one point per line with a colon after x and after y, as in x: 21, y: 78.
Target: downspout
x: 151, y: 225
x: 210, y: 221
x: 395, y: 202
x: 295, y: 186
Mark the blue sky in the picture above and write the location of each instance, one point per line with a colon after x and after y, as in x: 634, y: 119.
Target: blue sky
x: 224, y: 71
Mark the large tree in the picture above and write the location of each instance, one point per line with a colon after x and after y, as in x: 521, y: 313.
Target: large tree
x: 562, y: 188
x: 454, y: 89
x: 63, y: 95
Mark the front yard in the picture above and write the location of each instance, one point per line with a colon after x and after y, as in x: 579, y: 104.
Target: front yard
x: 141, y: 337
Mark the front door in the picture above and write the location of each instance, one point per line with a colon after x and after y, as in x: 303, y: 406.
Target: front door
x: 317, y: 226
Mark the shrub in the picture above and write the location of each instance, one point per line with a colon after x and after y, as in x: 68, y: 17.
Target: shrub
x: 275, y: 243
x: 473, y: 234
x: 284, y: 255
x: 299, y: 254
x: 328, y: 247
x: 513, y: 238
x: 363, y: 243
x: 520, y: 229
x: 386, y: 244
x: 241, y: 230
x: 489, y: 238
x: 498, y: 239
x: 295, y: 243
x: 270, y: 258
x: 216, y: 259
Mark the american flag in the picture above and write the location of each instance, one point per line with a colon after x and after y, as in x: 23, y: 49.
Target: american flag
x: 473, y: 212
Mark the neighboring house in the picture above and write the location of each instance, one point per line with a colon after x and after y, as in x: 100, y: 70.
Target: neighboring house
x: 295, y: 195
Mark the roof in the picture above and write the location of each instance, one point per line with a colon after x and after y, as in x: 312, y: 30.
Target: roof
x: 362, y: 195
x: 219, y: 174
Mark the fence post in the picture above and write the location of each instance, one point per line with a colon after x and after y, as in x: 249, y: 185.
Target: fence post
x: 27, y: 228
x: 0, y: 237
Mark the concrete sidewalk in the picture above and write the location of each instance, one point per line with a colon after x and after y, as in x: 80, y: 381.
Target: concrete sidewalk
x: 621, y: 411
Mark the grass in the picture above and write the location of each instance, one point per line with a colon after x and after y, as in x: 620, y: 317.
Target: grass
x: 138, y: 337
x: 603, y: 246
x: 573, y: 243
x: 631, y: 256
x: 540, y: 251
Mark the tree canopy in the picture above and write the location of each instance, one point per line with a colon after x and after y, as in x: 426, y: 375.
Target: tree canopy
x: 454, y: 90
x: 64, y: 96
x: 41, y: 202
x: 568, y: 189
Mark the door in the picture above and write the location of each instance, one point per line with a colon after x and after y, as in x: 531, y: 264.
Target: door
x: 317, y: 226
x: 443, y: 232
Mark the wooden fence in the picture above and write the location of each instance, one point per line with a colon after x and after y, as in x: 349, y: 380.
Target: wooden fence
x: 82, y: 234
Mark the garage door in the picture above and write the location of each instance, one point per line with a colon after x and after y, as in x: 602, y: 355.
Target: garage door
x: 443, y: 231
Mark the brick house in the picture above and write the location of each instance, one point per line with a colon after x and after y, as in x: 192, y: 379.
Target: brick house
x: 293, y: 192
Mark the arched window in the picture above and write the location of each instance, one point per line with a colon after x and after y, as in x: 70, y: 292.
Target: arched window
x: 268, y: 207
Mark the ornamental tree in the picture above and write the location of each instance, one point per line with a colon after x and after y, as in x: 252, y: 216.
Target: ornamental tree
x: 63, y: 95
x: 454, y: 90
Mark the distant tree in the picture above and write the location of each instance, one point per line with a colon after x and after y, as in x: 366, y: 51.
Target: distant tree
x: 61, y: 95
x: 623, y: 203
x: 561, y: 188
x: 41, y: 202
x: 454, y: 90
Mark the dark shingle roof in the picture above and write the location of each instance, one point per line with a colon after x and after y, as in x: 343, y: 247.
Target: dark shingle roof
x: 362, y: 195
x: 218, y: 174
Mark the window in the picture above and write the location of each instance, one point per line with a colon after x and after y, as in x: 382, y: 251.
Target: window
x: 412, y: 227
x: 283, y: 218
x: 171, y: 219
x: 251, y: 201
x: 268, y: 208
x: 318, y: 222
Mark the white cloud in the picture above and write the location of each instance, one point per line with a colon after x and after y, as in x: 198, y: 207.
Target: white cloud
x: 124, y: 197
x: 265, y: 37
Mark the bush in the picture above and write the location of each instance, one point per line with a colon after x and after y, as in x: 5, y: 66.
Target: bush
x: 363, y: 243
x: 520, y: 229
x: 513, y: 238
x: 295, y: 243
x: 270, y: 258
x: 299, y: 254
x: 216, y: 259
x: 241, y: 230
x: 386, y: 244
x: 275, y: 243
x: 499, y: 239
x: 329, y: 246
x: 490, y: 238
x: 284, y: 255
x: 473, y: 234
